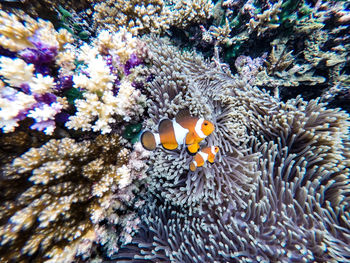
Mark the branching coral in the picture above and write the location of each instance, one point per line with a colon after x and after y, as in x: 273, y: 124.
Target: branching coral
x: 65, y: 189
x: 282, y: 69
x: 101, y: 74
x: 150, y: 15
x: 29, y: 90
x: 137, y: 16
x: 267, y: 20
x: 17, y: 34
x: 186, y: 13
x: 278, y: 190
x: 106, y: 82
x: 33, y: 98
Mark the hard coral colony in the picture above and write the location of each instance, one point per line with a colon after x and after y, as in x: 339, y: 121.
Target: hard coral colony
x: 174, y: 131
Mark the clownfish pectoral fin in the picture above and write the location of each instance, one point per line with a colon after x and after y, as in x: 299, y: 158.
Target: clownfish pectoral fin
x: 149, y: 140
x: 182, y: 115
x: 193, y: 148
x: 211, y: 158
x: 193, y: 166
x: 190, y: 137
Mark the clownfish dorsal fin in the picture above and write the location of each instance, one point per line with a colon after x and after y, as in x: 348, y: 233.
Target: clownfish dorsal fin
x: 182, y: 115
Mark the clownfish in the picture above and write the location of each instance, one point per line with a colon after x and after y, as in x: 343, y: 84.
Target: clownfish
x: 207, y: 154
x: 184, y: 129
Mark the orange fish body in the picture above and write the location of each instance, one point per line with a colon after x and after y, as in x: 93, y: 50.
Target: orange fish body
x: 184, y: 129
x: 206, y: 154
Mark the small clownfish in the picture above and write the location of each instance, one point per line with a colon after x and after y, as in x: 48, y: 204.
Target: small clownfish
x: 184, y: 129
x: 207, y: 154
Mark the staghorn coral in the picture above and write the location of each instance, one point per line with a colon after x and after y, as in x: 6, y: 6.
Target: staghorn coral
x: 282, y: 70
x: 311, y: 35
x: 267, y: 20
x: 185, y: 13
x: 69, y: 195
x: 278, y: 190
x: 322, y: 59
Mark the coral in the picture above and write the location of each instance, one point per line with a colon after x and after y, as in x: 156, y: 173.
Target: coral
x: 68, y: 196
x: 33, y: 99
x: 106, y: 82
x: 96, y: 79
x: 28, y: 88
x: 282, y: 70
x: 186, y: 13
x: 16, y: 35
x: 267, y: 20
x: 324, y: 50
x: 248, y: 68
x: 150, y: 15
x: 137, y: 16
x: 278, y: 189
x: 44, y: 8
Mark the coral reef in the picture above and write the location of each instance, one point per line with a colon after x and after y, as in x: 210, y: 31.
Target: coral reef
x: 81, y: 80
x: 100, y: 74
x: 305, y: 41
x: 69, y: 195
x: 279, y: 189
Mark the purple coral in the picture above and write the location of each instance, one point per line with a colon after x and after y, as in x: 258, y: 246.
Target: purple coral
x: 248, y: 67
x: 64, y: 83
x: 47, y: 98
x: 41, y: 56
x: 131, y: 63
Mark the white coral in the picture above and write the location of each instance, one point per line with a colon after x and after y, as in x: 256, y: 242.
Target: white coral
x: 121, y: 43
x: 11, y: 104
x: 16, y: 71
x: 46, y: 112
x: 42, y: 84
x: 125, y: 176
x: 97, y: 77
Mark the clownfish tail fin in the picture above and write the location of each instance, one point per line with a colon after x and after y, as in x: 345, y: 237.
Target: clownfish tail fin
x: 149, y: 140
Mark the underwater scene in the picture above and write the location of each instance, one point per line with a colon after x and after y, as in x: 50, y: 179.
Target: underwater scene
x: 204, y: 131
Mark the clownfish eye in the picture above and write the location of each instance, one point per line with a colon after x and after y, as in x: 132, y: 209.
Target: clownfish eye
x: 205, y: 123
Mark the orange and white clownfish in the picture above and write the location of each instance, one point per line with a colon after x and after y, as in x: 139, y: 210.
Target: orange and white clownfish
x: 184, y: 129
x: 207, y: 154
